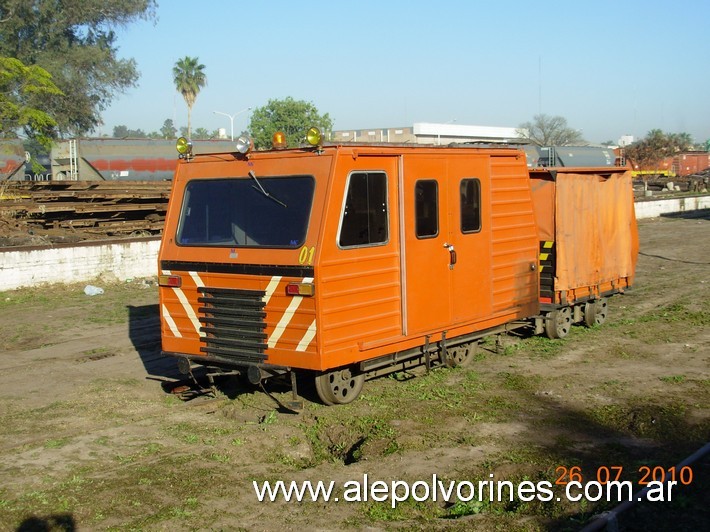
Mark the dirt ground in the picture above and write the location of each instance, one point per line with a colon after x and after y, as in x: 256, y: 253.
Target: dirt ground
x: 92, y: 438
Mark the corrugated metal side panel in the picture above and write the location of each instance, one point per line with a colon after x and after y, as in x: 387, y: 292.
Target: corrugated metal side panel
x: 595, y: 230
x: 514, y: 235
x: 358, y: 303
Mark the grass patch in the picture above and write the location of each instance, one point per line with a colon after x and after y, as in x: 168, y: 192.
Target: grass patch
x: 646, y: 419
x: 518, y: 382
x: 56, y: 443
x: 673, y: 379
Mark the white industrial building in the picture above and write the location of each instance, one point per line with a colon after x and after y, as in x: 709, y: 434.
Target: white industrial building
x: 428, y: 133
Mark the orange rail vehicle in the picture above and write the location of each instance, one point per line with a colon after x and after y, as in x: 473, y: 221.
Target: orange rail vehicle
x: 348, y: 261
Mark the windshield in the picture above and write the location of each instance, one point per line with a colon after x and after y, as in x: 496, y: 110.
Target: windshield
x: 246, y: 212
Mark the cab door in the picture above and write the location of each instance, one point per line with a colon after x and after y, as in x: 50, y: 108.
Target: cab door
x: 446, y: 243
x: 428, y: 256
x: 470, y: 234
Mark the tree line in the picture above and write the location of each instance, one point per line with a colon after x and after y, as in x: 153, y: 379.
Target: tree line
x: 59, y: 70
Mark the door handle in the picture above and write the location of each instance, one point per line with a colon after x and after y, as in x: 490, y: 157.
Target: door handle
x: 452, y: 255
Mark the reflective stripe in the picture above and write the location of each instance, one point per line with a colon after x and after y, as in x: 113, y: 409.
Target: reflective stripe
x: 188, y: 310
x: 307, y: 338
x: 271, y: 288
x: 186, y: 304
x: 287, y: 317
x: 196, y: 278
x: 171, y: 322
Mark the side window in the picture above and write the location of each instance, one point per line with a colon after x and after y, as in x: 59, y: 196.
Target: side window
x: 470, y: 191
x: 426, y: 208
x: 365, y: 216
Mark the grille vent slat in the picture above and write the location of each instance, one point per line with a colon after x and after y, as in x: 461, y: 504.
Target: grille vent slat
x: 234, y: 324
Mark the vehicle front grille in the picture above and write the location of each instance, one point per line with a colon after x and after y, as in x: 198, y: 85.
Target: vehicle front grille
x: 233, y: 322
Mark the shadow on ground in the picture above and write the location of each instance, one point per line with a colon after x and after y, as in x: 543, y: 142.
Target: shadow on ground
x: 144, y: 333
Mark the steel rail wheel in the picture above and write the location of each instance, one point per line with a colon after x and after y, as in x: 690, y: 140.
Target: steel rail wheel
x: 595, y: 312
x: 339, y: 386
x: 459, y: 355
x: 602, y: 310
x: 558, y: 323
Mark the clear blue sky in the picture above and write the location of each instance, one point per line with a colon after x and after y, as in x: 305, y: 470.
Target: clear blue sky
x: 609, y: 67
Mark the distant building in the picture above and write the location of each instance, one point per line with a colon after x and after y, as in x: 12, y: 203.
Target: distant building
x: 393, y: 134
x: 626, y: 140
x: 428, y: 133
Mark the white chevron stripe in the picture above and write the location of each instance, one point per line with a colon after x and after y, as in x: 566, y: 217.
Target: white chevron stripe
x: 287, y: 317
x: 271, y: 288
x: 307, y: 338
x: 171, y: 322
x: 197, y: 279
x: 186, y: 304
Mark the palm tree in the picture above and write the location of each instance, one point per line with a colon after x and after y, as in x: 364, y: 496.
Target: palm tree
x: 189, y: 78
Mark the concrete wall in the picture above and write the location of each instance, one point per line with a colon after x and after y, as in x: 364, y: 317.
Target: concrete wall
x: 652, y: 209
x: 76, y: 263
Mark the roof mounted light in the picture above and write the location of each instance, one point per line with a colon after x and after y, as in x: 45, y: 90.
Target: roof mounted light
x: 314, y: 137
x: 245, y: 144
x: 278, y: 140
x: 184, y: 148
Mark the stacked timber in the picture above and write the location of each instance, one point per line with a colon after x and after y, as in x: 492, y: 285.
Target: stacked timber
x: 95, y: 208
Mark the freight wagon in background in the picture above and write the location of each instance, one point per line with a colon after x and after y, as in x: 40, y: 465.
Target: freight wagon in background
x: 12, y: 160
x: 680, y: 165
x: 571, y: 156
x: 120, y: 159
x: 345, y: 262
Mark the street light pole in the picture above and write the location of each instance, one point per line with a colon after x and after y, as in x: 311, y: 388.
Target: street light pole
x: 438, y: 135
x: 231, y: 118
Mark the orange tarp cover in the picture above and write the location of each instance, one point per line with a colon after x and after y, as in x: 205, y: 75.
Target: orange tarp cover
x: 589, y: 215
x: 596, y: 237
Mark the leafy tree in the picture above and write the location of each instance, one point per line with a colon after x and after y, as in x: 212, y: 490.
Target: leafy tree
x: 75, y: 41
x: 201, y: 134
x: 189, y: 78
x: 19, y: 86
x: 648, y: 152
x: 681, y: 141
x: 292, y: 117
x: 168, y: 131
x: 120, y: 132
x: 546, y: 130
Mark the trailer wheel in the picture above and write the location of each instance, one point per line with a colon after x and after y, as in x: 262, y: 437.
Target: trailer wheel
x: 340, y: 386
x: 595, y: 312
x: 459, y: 355
x: 558, y: 323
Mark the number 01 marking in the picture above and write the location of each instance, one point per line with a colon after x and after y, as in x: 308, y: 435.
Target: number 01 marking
x: 306, y: 255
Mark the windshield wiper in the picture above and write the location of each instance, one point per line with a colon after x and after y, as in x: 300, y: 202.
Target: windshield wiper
x: 263, y: 191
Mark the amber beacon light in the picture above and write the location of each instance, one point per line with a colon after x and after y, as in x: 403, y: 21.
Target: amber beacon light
x: 278, y: 140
